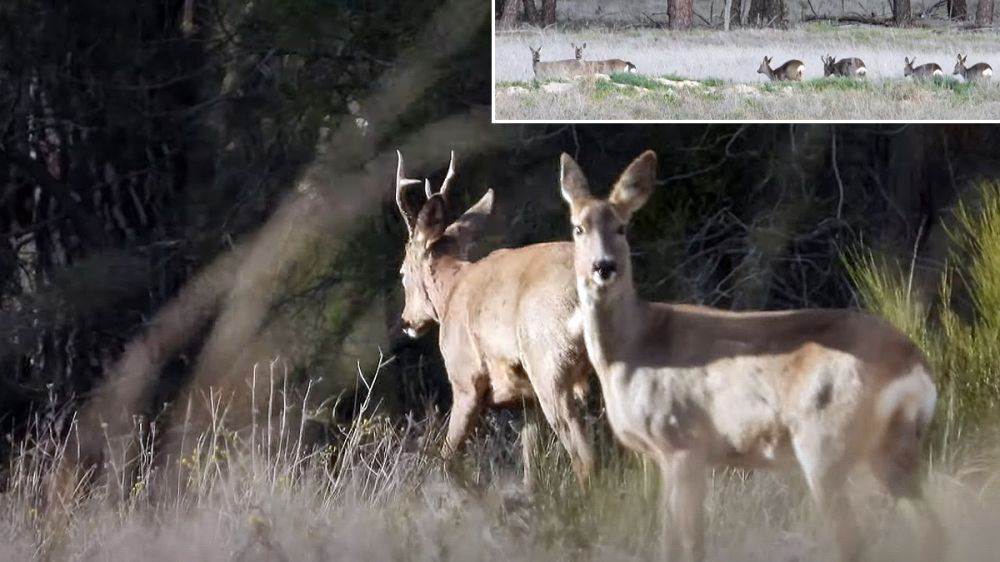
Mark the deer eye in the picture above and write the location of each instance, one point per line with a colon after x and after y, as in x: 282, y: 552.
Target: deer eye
x: 577, y: 230
x: 621, y: 230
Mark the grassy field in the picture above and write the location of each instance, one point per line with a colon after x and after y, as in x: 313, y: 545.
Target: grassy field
x: 380, y: 494
x: 712, y: 75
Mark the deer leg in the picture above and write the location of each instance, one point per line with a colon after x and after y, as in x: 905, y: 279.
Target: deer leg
x: 562, y: 413
x: 826, y: 475
x: 530, y: 442
x: 896, y: 463
x: 465, y: 410
x: 682, y: 489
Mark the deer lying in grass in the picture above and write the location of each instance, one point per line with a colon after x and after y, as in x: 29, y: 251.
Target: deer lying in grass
x: 978, y: 71
x: 608, y: 66
x: 791, y: 70
x: 928, y: 70
x: 691, y: 387
x: 850, y: 67
x: 503, y: 320
x: 554, y: 69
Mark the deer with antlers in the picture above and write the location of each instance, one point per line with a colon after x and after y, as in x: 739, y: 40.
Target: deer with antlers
x: 691, y: 387
x: 505, y: 334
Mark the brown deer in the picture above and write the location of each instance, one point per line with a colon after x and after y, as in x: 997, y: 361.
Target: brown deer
x: 554, y: 69
x: 692, y: 387
x: 978, y: 71
x: 609, y: 66
x: 852, y: 67
x: 928, y: 70
x: 791, y: 70
x: 578, y: 51
x: 505, y: 334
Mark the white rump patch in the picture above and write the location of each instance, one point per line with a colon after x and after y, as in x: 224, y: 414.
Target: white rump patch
x: 862, y: 71
x: 988, y: 72
x: 938, y: 73
x: 913, y: 392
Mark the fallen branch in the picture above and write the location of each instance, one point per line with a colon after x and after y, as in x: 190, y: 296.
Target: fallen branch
x: 869, y: 20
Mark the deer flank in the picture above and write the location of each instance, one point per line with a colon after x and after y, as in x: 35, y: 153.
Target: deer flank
x: 691, y: 387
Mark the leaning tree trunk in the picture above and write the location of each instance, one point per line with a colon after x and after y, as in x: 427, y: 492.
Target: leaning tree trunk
x: 548, y: 12
x: 767, y: 13
x: 901, y: 12
x: 512, y: 9
x: 681, y: 13
x: 957, y: 9
x: 984, y: 13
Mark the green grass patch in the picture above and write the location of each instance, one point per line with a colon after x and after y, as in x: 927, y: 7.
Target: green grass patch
x: 604, y: 88
x: 952, y: 84
x: 713, y: 82
x: 635, y: 79
x: 835, y: 83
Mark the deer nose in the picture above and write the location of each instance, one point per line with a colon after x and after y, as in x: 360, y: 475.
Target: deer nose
x: 605, y: 269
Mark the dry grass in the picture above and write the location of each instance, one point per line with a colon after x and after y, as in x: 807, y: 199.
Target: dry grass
x: 728, y: 62
x: 377, y: 492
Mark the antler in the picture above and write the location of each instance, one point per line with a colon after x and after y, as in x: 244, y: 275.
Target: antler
x: 402, y: 183
x: 447, y: 180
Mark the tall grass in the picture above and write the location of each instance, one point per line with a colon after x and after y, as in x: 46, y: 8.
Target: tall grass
x: 376, y: 490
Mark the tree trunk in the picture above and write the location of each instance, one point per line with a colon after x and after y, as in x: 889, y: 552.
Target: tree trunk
x: 681, y: 14
x: 531, y: 11
x: 548, y: 12
x: 984, y: 13
x: 735, y: 13
x: 512, y: 9
x: 901, y: 12
x: 957, y: 9
x: 767, y: 13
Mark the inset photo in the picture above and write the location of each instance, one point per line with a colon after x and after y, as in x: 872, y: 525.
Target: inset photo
x: 745, y: 60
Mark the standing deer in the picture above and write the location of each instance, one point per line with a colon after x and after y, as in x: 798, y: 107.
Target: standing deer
x: 978, y: 71
x: 791, y: 70
x: 504, y: 321
x: 554, y: 69
x: 850, y: 67
x: 692, y: 387
x: 928, y: 70
x: 578, y: 51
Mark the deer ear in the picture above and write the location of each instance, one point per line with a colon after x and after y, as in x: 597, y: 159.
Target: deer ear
x: 572, y: 182
x: 471, y: 224
x: 430, y: 222
x: 635, y: 185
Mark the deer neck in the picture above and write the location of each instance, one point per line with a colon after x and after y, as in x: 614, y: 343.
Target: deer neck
x: 443, y: 275
x: 611, y: 319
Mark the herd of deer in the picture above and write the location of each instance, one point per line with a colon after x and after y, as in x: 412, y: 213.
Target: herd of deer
x: 688, y: 387
x: 851, y: 67
x: 855, y: 68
